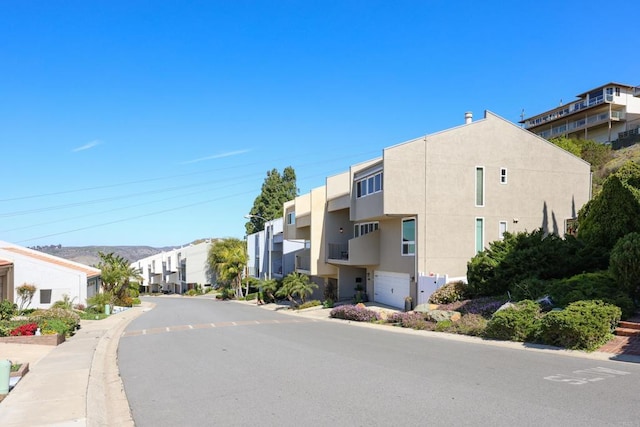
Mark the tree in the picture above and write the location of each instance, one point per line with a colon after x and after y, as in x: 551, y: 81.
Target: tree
x: 25, y: 295
x: 228, y: 258
x: 276, y: 190
x: 614, y: 212
x: 595, y: 153
x: 116, y: 275
x: 296, y: 284
x: 568, y: 144
x: 270, y: 287
x: 625, y: 264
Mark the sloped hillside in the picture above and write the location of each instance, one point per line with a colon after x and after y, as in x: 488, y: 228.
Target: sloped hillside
x: 88, y: 255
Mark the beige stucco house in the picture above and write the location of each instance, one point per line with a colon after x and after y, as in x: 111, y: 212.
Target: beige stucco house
x: 403, y: 224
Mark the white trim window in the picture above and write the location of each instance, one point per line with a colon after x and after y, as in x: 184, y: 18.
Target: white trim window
x: 479, y: 186
x: 364, y: 228
x: 479, y: 234
x: 503, y: 175
x: 502, y: 228
x: 369, y: 185
x: 408, y: 236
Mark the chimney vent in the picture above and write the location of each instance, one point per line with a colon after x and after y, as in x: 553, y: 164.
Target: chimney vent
x: 468, y: 117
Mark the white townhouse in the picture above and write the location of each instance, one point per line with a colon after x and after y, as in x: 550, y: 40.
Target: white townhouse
x: 270, y: 256
x: 177, y: 270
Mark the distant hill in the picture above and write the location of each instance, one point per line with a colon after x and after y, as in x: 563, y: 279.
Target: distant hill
x: 88, y: 255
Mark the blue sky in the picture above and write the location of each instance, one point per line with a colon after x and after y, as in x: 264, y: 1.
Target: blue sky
x: 155, y: 122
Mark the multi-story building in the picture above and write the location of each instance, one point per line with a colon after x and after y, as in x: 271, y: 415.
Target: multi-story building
x: 177, y: 270
x: 269, y: 254
x: 605, y: 114
x: 402, y: 224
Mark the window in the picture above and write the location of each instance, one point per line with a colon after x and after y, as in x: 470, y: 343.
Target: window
x: 364, y: 228
x: 479, y: 234
x: 571, y: 226
x: 503, y: 175
x: 617, y: 91
x: 369, y: 185
x: 45, y: 296
x: 408, y: 236
x: 502, y: 229
x: 479, y: 186
x: 183, y: 270
x: 291, y: 218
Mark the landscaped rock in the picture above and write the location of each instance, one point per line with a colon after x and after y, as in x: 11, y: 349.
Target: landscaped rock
x: 507, y: 304
x: 423, y: 308
x: 440, y: 315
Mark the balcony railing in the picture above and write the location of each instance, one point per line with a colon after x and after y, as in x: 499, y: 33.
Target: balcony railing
x: 303, y: 260
x: 581, y: 123
x: 580, y: 105
x: 339, y: 251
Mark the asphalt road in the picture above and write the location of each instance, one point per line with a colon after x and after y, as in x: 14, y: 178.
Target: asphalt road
x: 201, y: 362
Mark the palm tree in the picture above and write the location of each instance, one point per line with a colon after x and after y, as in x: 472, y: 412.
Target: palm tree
x: 228, y: 257
x: 296, y: 284
x: 116, y: 275
x: 270, y: 287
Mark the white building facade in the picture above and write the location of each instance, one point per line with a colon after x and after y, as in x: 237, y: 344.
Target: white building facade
x: 606, y: 114
x: 53, y: 277
x: 269, y: 254
x: 177, y: 270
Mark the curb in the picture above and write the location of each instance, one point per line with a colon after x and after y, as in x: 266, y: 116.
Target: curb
x: 107, y: 402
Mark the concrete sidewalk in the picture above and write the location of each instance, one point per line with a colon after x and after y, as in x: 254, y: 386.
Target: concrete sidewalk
x: 74, y: 384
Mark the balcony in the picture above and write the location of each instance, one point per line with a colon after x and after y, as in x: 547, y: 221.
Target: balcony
x: 363, y: 250
x: 585, y: 122
x: 303, y: 260
x: 155, y: 279
x: 566, y: 110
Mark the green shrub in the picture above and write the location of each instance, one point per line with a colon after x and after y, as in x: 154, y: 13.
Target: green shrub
x: 225, y: 293
x: 614, y: 212
x: 469, y: 324
x: 520, y: 257
x: 444, y: 326
x: 97, y: 302
x: 66, y: 302
x: 625, y: 264
x: 583, y: 325
x: 328, y: 303
x: 123, y: 301
x: 600, y: 285
x: 309, y: 304
x: 7, y: 310
x: 450, y: 292
x: 519, y: 322
x: 529, y: 288
x: 71, y: 319
x: 55, y: 326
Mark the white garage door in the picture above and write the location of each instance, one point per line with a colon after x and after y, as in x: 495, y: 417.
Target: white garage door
x: 390, y: 288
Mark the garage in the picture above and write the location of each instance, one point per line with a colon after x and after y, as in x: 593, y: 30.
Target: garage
x: 390, y: 288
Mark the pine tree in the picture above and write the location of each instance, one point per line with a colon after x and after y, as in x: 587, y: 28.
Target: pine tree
x: 276, y: 190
